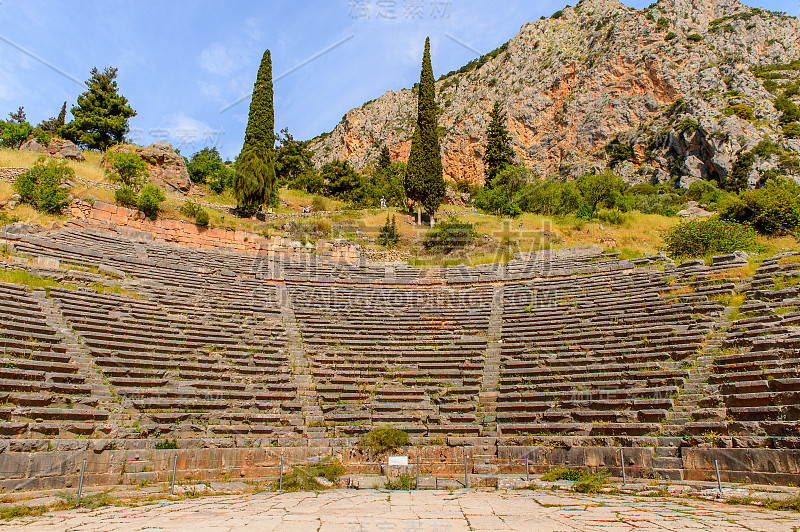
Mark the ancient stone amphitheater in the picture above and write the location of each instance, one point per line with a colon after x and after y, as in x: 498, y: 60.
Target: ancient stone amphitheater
x: 561, y: 357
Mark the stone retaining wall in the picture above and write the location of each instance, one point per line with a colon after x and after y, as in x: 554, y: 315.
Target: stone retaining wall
x: 61, y: 469
x: 189, y: 234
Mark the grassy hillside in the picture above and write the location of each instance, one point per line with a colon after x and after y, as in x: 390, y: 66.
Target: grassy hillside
x: 498, y: 238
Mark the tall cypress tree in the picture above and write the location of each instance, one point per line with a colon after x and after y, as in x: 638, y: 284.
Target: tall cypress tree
x: 498, y: 146
x: 424, y: 181
x: 255, y: 170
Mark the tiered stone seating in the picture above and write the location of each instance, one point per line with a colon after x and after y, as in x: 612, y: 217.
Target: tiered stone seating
x: 405, y: 356
x: 42, y: 391
x: 596, y: 354
x: 170, y: 360
x: 757, y: 369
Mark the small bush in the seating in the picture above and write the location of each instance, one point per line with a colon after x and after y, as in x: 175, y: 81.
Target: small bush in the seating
x: 562, y: 473
x: 697, y: 238
x: 40, y: 186
x: 150, y: 199
x: 167, y: 444
x: 403, y: 483
x: 126, y: 197
x: 382, y: 439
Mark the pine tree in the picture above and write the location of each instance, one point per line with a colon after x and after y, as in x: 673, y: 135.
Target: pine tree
x: 101, y: 115
x: 255, y: 170
x: 498, y: 146
x: 424, y: 182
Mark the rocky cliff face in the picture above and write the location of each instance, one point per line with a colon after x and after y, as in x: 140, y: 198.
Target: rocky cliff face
x: 671, y: 85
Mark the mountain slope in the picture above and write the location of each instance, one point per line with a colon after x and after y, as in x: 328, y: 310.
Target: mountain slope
x: 597, y: 75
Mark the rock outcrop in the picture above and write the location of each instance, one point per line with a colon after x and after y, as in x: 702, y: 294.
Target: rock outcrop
x: 676, y: 85
x: 58, y: 148
x: 167, y: 168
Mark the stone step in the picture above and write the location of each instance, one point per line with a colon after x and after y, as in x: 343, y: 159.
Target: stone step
x: 668, y: 474
x: 667, y: 462
x: 667, y: 452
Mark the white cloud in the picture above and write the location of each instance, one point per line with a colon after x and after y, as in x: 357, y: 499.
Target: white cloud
x: 220, y: 59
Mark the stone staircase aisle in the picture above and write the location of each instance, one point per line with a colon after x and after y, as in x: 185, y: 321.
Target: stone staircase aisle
x: 312, y: 421
x: 667, y: 461
x: 490, y: 383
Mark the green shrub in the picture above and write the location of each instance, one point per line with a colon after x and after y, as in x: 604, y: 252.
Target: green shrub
x: 129, y: 168
x: 201, y: 218
x: 697, y: 238
x: 669, y: 36
x: 403, y: 483
x: 655, y: 204
x: 662, y: 24
x: 600, y: 190
x: 388, y: 234
x: 694, y: 37
x: 743, y: 111
x: 167, y: 444
x: 304, y: 478
x: 465, y: 186
x: 791, y: 130
x: 383, y: 438
x: 771, y: 209
x: 613, y: 217
x: 13, y: 134
x: 449, y: 235
x: 126, y: 197
x: 562, y: 473
x: 557, y: 14
x: 498, y: 200
x: 585, y: 482
x: 705, y: 192
x: 318, y: 204
x: 766, y: 148
x: 740, y: 173
x: 43, y: 137
x: 195, y: 211
x: 591, y: 483
x: 39, y: 186
x: 206, y: 166
x: 618, y: 152
x: 687, y: 124
x: 149, y: 200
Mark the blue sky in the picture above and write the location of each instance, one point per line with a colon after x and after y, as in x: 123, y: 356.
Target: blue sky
x: 183, y: 63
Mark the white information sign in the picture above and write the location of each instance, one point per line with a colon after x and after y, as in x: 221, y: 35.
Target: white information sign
x: 398, y: 460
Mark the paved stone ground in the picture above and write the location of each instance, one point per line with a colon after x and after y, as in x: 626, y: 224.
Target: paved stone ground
x: 421, y: 511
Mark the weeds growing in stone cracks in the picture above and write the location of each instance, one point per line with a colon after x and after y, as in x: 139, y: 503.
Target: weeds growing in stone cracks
x: 403, y: 483
x: 585, y: 482
x: 305, y: 478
